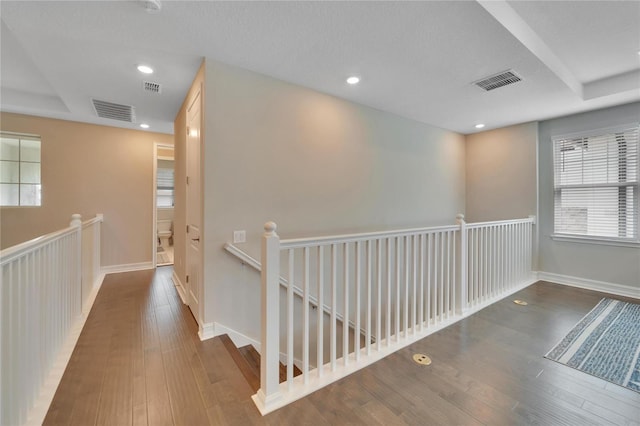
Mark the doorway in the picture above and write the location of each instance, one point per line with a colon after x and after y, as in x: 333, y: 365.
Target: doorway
x: 164, y: 203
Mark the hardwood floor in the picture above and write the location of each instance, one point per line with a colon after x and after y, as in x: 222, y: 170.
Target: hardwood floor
x: 139, y: 361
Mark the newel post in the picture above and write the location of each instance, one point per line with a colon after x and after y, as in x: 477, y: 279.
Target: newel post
x: 76, y: 221
x: 461, y: 255
x: 270, y: 334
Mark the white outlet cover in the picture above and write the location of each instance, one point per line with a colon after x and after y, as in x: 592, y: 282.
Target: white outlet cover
x: 239, y: 237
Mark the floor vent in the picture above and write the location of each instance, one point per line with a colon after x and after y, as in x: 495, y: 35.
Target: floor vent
x: 152, y: 87
x: 113, y: 111
x: 498, y: 80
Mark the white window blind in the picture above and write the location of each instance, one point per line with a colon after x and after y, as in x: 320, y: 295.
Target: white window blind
x: 596, y: 184
x: 164, y: 187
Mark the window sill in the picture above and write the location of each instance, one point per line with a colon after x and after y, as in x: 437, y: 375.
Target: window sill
x: 594, y: 240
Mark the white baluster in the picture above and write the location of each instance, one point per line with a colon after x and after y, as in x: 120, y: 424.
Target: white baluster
x: 320, y: 320
x: 290, y: 311
x: 398, y: 260
x: 415, y: 283
x: 345, y: 296
x: 305, y: 315
x: 369, y: 267
x: 388, y: 306
x: 388, y: 317
x: 379, y: 294
x: 334, y: 293
x: 356, y: 331
x: 429, y: 253
x: 406, y: 285
x: 421, y: 280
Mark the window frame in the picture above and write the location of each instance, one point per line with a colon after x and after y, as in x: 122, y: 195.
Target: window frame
x: 20, y: 162
x: 598, y: 239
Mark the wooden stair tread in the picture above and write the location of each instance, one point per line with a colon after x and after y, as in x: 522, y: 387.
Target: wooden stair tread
x: 252, y: 358
x: 252, y: 378
x: 248, y: 361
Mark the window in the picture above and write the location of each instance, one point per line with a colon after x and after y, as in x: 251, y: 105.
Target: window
x: 20, y: 183
x: 596, y: 185
x: 164, y: 184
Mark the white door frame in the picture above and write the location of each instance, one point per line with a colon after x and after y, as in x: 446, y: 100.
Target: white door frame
x: 156, y: 157
x: 196, y: 283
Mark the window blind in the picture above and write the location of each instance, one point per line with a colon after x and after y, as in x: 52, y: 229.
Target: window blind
x: 164, y: 183
x: 165, y: 178
x: 596, y: 184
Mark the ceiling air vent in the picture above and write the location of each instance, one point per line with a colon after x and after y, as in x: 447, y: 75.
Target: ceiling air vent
x: 498, y: 80
x: 113, y: 111
x: 152, y: 87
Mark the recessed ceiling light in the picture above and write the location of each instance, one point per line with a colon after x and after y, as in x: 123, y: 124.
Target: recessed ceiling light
x: 479, y: 126
x: 145, y: 69
x: 353, y: 80
x: 144, y: 125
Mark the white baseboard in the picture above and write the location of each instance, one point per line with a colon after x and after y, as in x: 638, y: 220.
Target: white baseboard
x: 237, y: 338
x: 127, y: 267
x: 179, y: 287
x: 43, y: 401
x: 206, y: 331
x: 602, y: 286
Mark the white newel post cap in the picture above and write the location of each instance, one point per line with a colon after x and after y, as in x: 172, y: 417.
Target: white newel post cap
x: 76, y: 219
x: 270, y: 229
x: 460, y: 217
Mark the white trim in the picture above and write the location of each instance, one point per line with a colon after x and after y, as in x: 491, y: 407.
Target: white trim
x: 48, y: 389
x: 154, y: 226
x: 237, y: 338
x: 179, y: 287
x: 602, y: 286
x: 585, y: 239
x: 206, y: 331
x: 126, y: 267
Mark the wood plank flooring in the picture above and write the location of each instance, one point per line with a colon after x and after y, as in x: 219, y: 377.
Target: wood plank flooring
x: 139, y: 361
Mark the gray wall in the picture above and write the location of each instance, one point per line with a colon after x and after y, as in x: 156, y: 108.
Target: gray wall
x: 611, y: 264
x: 314, y: 164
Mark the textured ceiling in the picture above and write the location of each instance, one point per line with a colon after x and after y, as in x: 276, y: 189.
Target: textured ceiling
x: 416, y: 59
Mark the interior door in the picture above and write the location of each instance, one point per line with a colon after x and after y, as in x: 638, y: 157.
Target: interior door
x: 194, y: 209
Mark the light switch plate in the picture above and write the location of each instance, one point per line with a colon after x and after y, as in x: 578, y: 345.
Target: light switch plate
x: 239, y: 237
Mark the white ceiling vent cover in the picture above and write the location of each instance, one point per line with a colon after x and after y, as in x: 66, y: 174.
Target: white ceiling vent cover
x: 152, y: 87
x: 498, y: 80
x: 113, y: 111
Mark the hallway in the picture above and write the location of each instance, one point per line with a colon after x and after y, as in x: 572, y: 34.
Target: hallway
x: 139, y: 361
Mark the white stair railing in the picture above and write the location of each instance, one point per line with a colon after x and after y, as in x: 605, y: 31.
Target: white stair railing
x: 46, y: 284
x: 397, y: 286
x: 297, y: 291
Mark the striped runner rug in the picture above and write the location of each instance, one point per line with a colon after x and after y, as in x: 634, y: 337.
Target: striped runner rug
x: 605, y: 343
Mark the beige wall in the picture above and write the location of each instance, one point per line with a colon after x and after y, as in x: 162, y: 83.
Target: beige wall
x: 314, y: 164
x: 89, y: 169
x: 180, y: 164
x: 501, y: 173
